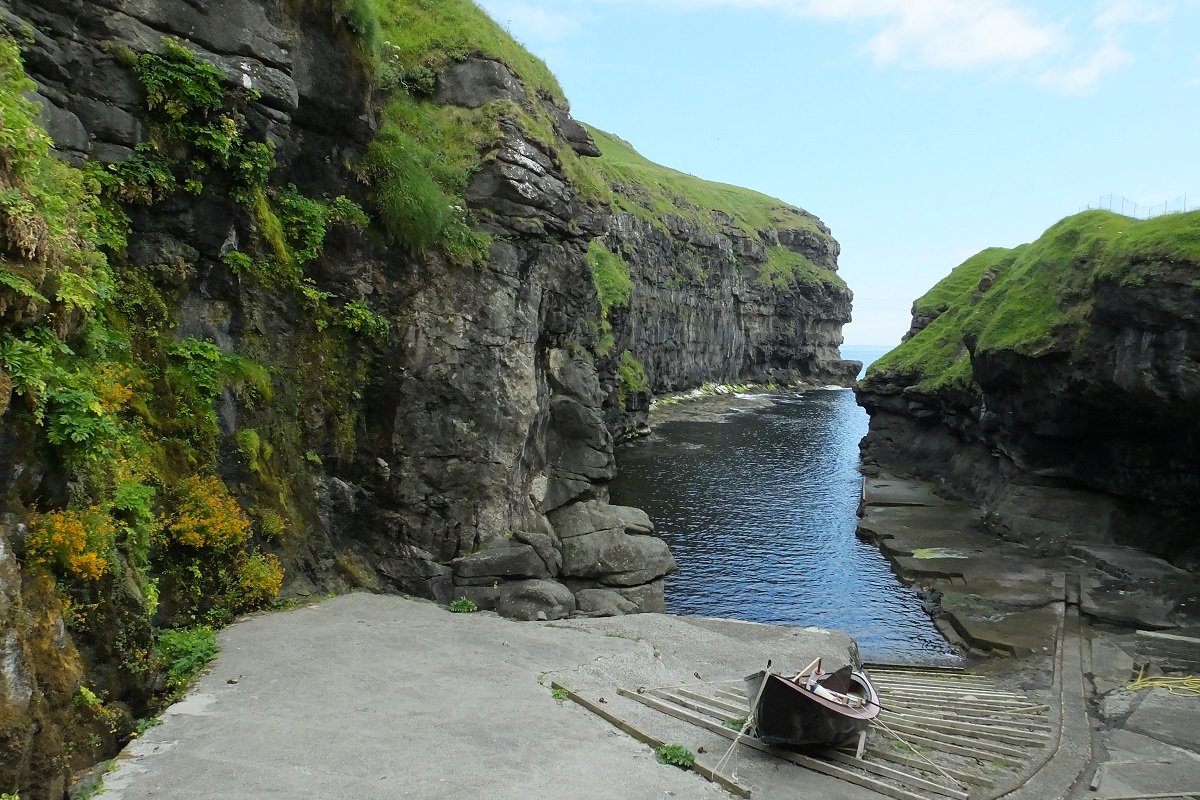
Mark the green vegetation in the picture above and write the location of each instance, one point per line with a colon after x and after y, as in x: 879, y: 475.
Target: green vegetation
x: 1035, y: 298
x: 631, y: 377
x: 735, y: 724
x: 424, y: 33
x: 462, y: 605
x: 610, y: 273
x: 675, y: 755
x: 185, y: 652
x: 785, y: 267
x: 671, y: 192
x: 558, y: 693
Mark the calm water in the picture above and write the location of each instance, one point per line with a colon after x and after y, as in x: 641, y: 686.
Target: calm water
x: 759, y: 511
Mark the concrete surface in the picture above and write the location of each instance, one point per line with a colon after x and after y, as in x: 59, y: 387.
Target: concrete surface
x: 368, y: 696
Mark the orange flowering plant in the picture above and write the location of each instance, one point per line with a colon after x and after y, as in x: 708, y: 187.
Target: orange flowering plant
x: 207, y: 516
x: 73, y: 542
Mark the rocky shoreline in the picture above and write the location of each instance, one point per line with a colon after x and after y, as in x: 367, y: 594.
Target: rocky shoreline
x: 993, y: 597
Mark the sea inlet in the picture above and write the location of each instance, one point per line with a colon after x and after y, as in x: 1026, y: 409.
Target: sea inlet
x: 759, y: 509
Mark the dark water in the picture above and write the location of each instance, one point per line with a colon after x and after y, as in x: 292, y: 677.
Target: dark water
x: 760, y: 514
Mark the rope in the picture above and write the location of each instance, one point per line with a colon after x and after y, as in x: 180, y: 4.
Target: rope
x: 747, y: 725
x: 1187, y: 686
x: 880, y: 723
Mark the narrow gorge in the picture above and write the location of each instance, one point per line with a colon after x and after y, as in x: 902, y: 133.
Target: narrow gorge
x: 297, y: 298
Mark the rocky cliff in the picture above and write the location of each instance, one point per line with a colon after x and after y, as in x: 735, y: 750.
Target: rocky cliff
x: 724, y: 285
x: 1057, y: 383
x: 298, y: 299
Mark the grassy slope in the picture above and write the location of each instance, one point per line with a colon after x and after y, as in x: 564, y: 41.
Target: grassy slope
x: 669, y: 191
x: 1041, y: 296
x: 446, y: 144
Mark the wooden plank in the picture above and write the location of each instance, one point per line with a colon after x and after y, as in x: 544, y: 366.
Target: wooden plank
x: 800, y: 760
x: 1026, y: 713
x: 939, y: 691
x: 736, y: 710
x: 916, y: 736
x: 915, y: 763
x: 934, y: 669
x: 697, y: 767
x: 933, y: 680
x: 967, y: 700
x: 1016, y: 723
x: 992, y: 732
x: 907, y: 778
x: 968, y: 739
x: 719, y: 714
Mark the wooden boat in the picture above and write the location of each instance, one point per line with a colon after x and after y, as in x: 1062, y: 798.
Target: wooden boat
x: 813, y: 708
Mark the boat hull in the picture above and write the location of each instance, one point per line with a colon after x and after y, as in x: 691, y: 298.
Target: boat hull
x: 788, y: 715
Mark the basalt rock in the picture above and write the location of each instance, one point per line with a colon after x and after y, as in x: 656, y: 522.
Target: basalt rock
x: 465, y: 454
x: 700, y: 313
x: 1090, y: 439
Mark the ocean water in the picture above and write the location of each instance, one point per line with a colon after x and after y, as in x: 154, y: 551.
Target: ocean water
x: 759, y: 511
x: 866, y: 353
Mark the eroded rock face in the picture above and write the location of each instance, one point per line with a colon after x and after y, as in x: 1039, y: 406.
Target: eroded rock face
x: 699, y: 312
x: 1099, y: 444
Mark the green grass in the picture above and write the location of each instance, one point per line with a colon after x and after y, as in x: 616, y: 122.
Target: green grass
x: 184, y: 652
x: 671, y: 191
x: 433, y: 33
x: 462, y: 605
x: 610, y: 273
x: 1041, y: 296
x: 785, y: 267
x: 676, y: 755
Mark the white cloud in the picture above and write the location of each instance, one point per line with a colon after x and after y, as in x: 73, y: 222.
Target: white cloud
x: 1118, y: 13
x: 940, y: 34
x: 1084, y: 75
x: 943, y: 33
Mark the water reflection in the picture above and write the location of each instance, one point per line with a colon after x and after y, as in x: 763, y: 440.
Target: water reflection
x: 760, y: 513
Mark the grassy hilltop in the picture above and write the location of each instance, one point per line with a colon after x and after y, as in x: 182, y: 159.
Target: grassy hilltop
x: 1037, y: 297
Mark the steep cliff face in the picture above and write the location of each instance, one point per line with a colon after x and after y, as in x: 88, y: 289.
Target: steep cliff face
x: 725, y: 285
x: 700, y: 312
x: 328, y: 318
x: 1057, y: 383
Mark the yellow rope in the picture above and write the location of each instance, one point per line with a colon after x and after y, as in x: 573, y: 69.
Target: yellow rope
x: 1186, y: 686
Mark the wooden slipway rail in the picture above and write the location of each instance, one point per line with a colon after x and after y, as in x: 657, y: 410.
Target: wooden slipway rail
x: 933, y: 711
x: 943, y: 733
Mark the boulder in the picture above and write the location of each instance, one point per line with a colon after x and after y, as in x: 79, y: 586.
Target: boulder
x: 503, y: 558
x: 579, y: 519
x: 603, y: 603
x: 476, y: 82
x: 616, y: 559
x: 529, y: 600
x: 649, y: 598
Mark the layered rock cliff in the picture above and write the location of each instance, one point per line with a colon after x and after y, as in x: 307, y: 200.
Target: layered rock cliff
x: 725, y: 285
x: 1057, y: 383
x: 314, y: 308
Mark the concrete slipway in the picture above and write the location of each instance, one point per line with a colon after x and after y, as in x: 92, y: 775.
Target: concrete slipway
x: 366, y: 696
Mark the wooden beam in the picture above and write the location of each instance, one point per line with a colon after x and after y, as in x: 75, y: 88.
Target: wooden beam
x: 800, y: 760
x: 697, y: 767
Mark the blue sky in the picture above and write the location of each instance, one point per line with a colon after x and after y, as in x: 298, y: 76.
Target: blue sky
x: 920, y: 131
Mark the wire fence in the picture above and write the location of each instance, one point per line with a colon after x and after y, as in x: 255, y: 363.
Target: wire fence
x: 1126, y: 207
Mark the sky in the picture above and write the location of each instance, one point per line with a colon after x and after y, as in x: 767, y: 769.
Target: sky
x: 919, y: 131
